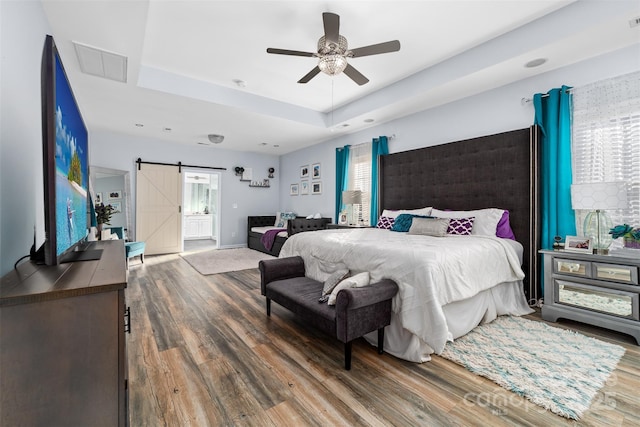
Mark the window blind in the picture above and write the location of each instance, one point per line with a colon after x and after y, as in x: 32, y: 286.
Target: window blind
x: 605, y: 143
x: 360, y: 178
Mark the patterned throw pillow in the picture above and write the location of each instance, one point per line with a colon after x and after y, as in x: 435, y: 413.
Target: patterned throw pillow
x: 385, y: 222
x: 460, y: 226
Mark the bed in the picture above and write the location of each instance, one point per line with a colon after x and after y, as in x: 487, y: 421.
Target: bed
x: 451, y: 290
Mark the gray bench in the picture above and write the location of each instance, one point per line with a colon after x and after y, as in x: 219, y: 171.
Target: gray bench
x: 357, y: 312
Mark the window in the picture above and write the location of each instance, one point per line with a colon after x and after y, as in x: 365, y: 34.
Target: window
x: 606, y: 140
x: 360, y: 178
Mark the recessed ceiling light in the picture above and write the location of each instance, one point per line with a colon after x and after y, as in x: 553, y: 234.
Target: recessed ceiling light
x: 240, y: 83
x: 139, y: 125
x: 535, y: 62
x: 215, y: 138
x: 276, y: 145
x: 166, y: 129
x: 263, y: 144
x: 369, y: 120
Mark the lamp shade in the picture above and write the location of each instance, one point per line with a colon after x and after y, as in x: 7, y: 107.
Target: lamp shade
x: 599, y: 195
x: 352, y: 197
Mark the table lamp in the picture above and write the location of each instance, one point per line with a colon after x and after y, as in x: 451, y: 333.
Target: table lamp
x: 350, y: 198
x: 596, y: 197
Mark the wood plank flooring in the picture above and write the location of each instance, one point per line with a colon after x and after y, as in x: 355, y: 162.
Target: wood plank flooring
x: 202, y: 352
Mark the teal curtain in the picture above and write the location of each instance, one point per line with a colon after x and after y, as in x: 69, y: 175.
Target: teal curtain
x: 342, y: 177
x: 379, y: 147
x: 553, y: 116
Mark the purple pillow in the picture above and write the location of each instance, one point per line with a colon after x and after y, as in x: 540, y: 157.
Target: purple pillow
x: 385, y: 222
x: 504, y: 227
x: 460, y: 226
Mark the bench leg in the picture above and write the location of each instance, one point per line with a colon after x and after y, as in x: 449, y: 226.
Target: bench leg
x: 380, y: 340
x: 268, y: 307
x: 347, y: 355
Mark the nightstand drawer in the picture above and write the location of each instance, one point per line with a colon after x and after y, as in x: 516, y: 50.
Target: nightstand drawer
x: 616, y: 273
x: 608, y: 301
x: 572, y: 267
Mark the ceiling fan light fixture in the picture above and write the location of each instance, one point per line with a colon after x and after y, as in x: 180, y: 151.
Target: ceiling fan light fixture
x: 332, y: 64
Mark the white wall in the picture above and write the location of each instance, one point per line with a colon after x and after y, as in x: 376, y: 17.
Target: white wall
x: 23, y: 27
x: 494, y: 111
x: 119, y: 151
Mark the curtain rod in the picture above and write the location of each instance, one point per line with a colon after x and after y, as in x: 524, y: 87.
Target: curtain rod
x: 524, y: 101
x: 179, y: 165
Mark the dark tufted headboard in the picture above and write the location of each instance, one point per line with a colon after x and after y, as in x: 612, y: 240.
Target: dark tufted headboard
x: 490, y: 171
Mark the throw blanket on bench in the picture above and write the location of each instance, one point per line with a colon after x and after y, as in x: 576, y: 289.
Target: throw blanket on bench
x: 269, y: 237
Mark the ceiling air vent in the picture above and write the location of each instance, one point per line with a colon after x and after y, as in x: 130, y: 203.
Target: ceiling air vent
x: 101, y: 63
x: 634, y: 22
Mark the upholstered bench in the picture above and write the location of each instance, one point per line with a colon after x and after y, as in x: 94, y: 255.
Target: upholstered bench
x: 357, y: 312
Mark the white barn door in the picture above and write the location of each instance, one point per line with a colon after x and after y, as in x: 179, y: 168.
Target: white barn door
x: 158, y: 208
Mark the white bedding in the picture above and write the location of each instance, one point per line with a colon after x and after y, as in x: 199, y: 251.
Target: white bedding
x: 263, y: 230
x: 436, y: 276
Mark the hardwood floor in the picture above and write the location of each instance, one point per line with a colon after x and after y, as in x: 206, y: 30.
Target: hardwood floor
x: 202, y: 352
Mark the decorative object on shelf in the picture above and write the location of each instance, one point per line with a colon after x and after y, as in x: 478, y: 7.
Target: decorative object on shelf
x: 304, y: 187
x: 630, y: 235
x: 315, y: 171
x: 115, y: 194
x: 582, y: 244
x: 316, y: 187
x: 271, y: 171
x: 304, y: 171
x: 263, y: 183
x: 98, y: 199
x: 350, y: 198
x: 596, y: 197
x: 293, y: 190
x: 239, y: 170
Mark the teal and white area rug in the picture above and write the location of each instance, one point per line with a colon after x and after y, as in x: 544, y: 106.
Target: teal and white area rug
x: 557, y: 369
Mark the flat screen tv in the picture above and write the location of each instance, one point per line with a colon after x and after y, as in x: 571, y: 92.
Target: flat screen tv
x: 65, y: 149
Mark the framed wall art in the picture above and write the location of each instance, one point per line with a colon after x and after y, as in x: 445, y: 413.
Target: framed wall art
x: 304, y: 187
x: 304, y: 171
x: 293, y: 190
x: 315, y: 171
x: 316, y: 187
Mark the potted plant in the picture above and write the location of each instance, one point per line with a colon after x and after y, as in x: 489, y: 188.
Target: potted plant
x: 630, y: 235
x: 103, y: 215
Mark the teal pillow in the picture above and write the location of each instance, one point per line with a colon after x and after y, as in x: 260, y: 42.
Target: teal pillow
x: 403, y: 222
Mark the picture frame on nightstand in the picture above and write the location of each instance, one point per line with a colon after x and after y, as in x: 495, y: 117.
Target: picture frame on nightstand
x: 579, y: 244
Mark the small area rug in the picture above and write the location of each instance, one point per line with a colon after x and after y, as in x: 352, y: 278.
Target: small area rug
x: 557, y: 369
x: 225, y: 260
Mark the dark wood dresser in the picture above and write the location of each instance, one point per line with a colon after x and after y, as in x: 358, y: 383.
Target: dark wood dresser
x: 62, y: 342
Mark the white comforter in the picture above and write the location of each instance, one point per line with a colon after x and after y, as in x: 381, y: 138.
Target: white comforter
x: 431, y: 272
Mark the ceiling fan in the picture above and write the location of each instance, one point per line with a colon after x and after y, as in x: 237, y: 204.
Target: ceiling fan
x: 333, y: 52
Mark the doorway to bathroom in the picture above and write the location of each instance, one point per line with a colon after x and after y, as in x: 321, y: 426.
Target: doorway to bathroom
x: 201, y: 219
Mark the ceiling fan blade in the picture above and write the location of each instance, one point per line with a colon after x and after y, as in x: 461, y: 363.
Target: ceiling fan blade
x: 375, y: 49
x: 289, y: 52
x: 311, y: 74
x: 355, y: 75
x: 331, y: 27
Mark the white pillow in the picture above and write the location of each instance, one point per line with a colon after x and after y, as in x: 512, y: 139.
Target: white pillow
x: 358, y: 281
x: 394, y: 214
x: 278, y: 219
x: 486, y: 221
